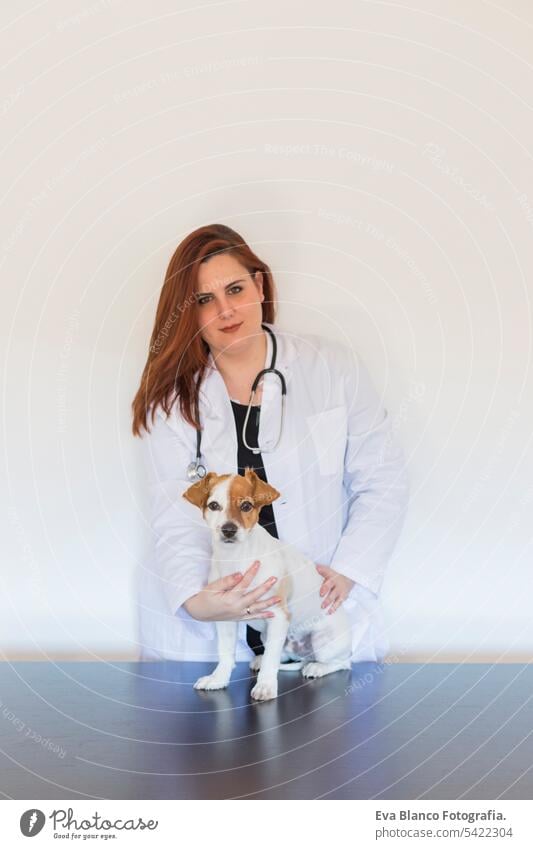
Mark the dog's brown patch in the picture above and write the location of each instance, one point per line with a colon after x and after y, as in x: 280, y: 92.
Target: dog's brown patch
x: 284, y: 590
x: 250, y: 488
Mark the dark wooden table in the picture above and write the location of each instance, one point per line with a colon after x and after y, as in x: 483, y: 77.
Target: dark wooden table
x: 140, y: 731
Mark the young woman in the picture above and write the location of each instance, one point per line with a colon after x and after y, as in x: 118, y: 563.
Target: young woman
x: 321, y: 438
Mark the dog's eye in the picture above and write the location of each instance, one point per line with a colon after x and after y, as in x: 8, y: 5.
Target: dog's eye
x: 214, y: 505
x: 246, y: 506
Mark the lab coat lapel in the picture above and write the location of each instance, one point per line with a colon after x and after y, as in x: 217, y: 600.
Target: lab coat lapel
x: 219, y: 439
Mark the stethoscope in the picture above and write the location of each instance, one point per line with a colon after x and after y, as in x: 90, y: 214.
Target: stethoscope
x: 196, y: 470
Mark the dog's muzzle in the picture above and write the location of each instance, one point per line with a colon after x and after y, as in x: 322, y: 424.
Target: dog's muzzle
x: 229, y: 532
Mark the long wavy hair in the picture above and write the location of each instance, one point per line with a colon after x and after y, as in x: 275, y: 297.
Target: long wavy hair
x: 178, y: 356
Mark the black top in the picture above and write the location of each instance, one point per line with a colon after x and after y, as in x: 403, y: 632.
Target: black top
x: 245, y: 457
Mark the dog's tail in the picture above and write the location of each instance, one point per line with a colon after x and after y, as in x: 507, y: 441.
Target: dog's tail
x: 292, y: 666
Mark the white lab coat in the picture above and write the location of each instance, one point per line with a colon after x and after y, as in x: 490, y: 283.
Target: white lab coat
x: 340, y: 473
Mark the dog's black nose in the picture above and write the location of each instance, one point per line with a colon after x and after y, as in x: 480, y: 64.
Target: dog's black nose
x: 229, y: 530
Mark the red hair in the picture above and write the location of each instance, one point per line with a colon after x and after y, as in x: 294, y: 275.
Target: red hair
x: 177, y: 355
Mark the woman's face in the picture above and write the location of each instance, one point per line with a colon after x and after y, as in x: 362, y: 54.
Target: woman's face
x: 226, y: 295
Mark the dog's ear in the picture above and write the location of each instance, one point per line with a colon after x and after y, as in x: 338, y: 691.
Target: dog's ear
x: 198, y: 492
x: 262, y: 492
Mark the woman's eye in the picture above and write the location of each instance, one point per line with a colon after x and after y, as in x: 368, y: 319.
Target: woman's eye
x: 246, y: 506
x: 235, y: 290
x: 214, y: 505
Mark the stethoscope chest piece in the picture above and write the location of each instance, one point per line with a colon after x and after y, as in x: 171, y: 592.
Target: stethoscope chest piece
x: 196, y: 471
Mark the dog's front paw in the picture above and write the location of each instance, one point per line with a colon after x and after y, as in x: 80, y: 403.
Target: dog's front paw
x: 265, y: 690
x: 211, y: 682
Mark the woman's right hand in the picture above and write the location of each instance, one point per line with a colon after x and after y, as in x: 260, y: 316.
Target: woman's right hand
x: 227, y: 599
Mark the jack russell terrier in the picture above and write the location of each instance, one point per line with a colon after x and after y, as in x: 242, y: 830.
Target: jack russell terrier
x: 300, y: 629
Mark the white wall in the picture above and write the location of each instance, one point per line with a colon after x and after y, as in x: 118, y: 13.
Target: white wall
x: 379, y: 158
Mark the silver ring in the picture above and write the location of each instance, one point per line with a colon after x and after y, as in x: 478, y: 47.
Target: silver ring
x: 248, y: 611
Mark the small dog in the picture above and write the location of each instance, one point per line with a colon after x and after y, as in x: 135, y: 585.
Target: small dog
x: 300, y: 629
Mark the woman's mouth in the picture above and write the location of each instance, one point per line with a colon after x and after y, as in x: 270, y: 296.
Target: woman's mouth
x: 231, y: 328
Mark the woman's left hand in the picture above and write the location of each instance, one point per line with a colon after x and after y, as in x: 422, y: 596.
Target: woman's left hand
x: 335, y: 587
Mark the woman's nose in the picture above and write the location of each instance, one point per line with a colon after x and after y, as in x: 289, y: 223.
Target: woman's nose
x: 225, y: 309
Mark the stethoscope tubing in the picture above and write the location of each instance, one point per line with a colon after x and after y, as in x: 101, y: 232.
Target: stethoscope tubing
x: 196, y: 469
